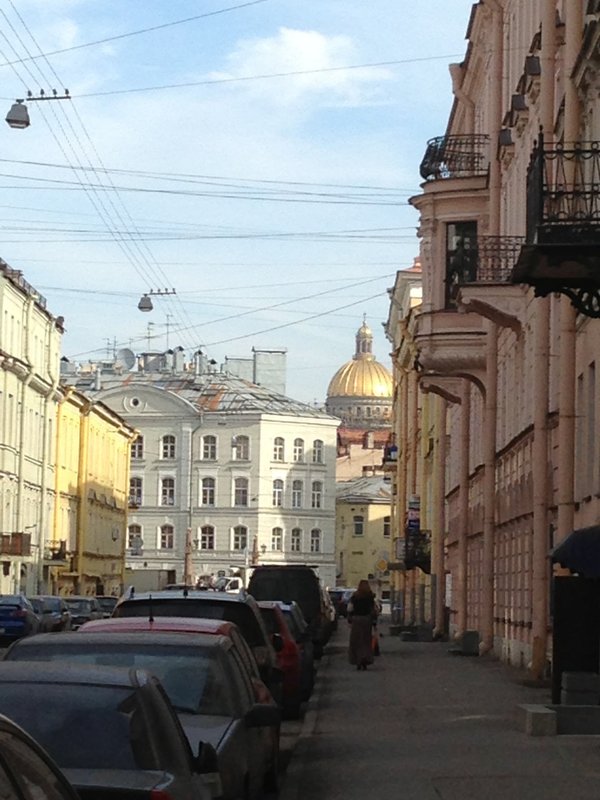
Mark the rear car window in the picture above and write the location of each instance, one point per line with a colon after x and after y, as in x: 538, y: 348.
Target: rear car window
x: 299, y: 585
x: 231, y: 611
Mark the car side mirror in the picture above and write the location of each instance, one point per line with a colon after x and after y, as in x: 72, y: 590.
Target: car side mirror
x: 277, y: 641
x: 206, y: 764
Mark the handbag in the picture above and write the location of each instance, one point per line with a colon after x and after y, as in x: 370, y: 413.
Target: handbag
x: 375, y: 643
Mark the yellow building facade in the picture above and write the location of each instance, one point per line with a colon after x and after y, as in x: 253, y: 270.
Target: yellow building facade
x: 87, y: 553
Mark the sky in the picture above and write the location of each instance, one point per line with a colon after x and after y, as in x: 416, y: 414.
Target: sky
x: 249, y: 163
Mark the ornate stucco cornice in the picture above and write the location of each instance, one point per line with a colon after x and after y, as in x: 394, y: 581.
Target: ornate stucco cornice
x: 451, y: 343
x: 503, y: 304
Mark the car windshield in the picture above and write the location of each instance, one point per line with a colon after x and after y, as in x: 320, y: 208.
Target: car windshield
x: 10, y: 600
x: 81, y: 726
x: 231, y: 611
x: 270, y: 620
x: 195, y: 678
x: 79, y: 606
x: 51, y: 603
x: 107, y: 603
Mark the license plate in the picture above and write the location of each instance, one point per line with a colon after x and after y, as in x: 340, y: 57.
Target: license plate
x: 2, y: 630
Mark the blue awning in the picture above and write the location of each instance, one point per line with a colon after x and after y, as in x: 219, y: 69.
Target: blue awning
x: 580, y: 552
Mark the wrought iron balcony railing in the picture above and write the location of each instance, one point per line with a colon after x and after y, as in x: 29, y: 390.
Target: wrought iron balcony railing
x: 563, y: 193
x: 485, y: 259
x: 455, y: 157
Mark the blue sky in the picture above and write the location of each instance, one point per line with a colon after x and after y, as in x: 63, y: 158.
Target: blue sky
x: 189, y: 158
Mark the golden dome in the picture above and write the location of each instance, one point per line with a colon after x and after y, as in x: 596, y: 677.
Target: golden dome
x: 362, y: 377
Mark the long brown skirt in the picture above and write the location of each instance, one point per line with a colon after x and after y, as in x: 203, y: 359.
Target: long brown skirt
x: 359, y: 650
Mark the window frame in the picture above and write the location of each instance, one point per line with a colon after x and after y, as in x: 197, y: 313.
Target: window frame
x: 168, y: 447
x: 279, y: 448
x: 167, y: 493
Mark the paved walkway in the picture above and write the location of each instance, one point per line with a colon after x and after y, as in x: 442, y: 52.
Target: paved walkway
x: 422, y: 724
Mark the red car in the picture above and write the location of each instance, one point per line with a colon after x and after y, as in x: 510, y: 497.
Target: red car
x: 289, y: 657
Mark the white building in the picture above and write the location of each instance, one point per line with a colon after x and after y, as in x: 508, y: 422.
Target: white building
x: 244, y: 472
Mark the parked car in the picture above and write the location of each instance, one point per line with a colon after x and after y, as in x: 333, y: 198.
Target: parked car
x: 17, y: 617
x: 206, y: 683
x: 107, y: 603
x: 329, y: 611
x: 112, y: 732
x: 240, y: 608
x: 53, y: 613
x: 289, y: 656
x: 340, y: 597
x: 299, y: 630
x: 26, y: 770
x: 297, y: 582
x: 83, y: 608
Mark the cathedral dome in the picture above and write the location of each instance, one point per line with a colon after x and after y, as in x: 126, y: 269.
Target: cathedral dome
x: 363, y: 376
x: 360, y: 392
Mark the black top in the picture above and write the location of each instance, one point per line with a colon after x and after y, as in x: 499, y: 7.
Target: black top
x: 363, y: 606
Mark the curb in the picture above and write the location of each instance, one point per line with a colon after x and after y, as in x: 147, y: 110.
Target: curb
x: 290, y: 786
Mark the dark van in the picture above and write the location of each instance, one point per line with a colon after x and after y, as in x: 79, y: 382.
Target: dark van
x: 300, y: 583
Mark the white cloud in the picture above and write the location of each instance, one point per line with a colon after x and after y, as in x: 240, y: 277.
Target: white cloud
x: 304, y: 51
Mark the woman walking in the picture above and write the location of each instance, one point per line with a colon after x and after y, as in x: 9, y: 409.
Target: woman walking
x: 362, y: 614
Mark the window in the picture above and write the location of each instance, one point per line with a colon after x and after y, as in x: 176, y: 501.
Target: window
x: 167, y: 537
x: 240, y: 492
x: 240, y: 537
x: 461, y: 257
x: 137, y: 447
x: 298, y: 450
x: 277, y: 493
x: 296, y: 540
x: 208, y: 491
x: 240, y: 448
x: 359, y: 525
x: 317, y: 494
x: 209, y: 448
x: 207, y: 537
x: 278, y: 449
x: 134, y: 537
x: 135, y: 492
x: 317, y: 453
x: 387, y: 526
x: 315, y: 541
x: 168, y: 447
x: 167, y: 492
x: 277, y: 539
x: 297, y: 494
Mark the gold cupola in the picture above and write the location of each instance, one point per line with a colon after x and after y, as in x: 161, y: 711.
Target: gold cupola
x: 360, y: 392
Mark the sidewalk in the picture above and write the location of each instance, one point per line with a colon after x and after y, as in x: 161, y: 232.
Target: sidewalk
x: 422, y: 724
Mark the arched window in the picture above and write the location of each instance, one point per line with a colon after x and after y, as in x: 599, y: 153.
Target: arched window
x: 298, y: 450
x: 297, y: 491
x: 278, y: 449
x: 315, y: 541
x: 209, y: 448
x: 317, y: 452
x: 208, y: 491
x: 277, y: 539
x: 167, y: 492
x: 240, y: 537
x: 168, y: 446
x: 240, y: 448
x: 277, y: 493
x: 137, y: 447
x: 167, y: 537
x: 135, y: 492
x: 296, y: 540
x: 207, y: 537
x: 240, y: 492
x: 317, y: 495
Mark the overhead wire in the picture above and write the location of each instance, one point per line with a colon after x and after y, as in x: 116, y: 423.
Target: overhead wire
x: 138, y: 257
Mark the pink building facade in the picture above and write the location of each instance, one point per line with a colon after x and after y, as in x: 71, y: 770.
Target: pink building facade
x: 508, y: 333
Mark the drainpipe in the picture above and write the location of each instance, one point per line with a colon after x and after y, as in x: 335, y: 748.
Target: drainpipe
x: 541, y: 370
x: 567, y: 352
x: 402, y: 483
x: 439, y: 505
x: 463, y: 516
x: 489, y: 489
x: 496, y: 90
x: 82, y: 495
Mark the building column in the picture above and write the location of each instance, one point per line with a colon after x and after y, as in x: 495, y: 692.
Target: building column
x: 438, y: 567
x: 463, y: 517
x: 489, y: 489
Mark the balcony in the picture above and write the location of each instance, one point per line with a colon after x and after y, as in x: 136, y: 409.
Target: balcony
x: 15, y: 544
x: 563, y: 224
x: 450, y: 343
x: 455, y: 157
x: 390, y: 458
x: 478, y: 279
